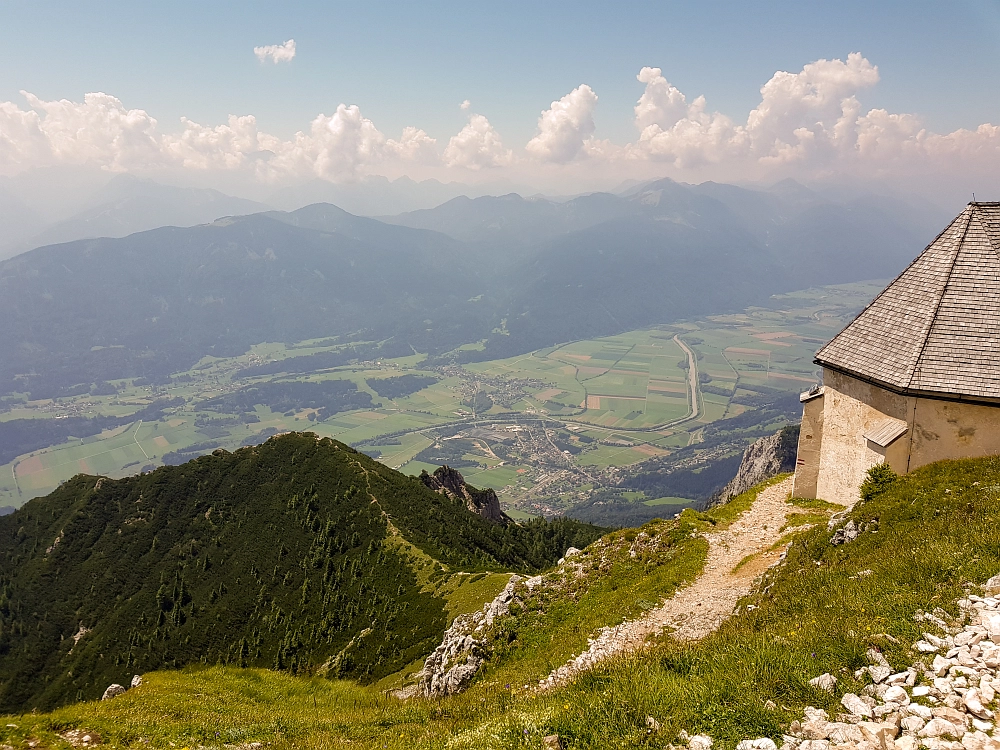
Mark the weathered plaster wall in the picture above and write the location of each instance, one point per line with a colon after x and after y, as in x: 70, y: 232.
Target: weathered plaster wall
x: 945, y: 429
x: 937, y: 430
x: 810, y: 442
x: 850, y: 408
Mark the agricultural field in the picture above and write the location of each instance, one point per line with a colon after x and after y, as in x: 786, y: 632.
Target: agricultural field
x: 547, y: 430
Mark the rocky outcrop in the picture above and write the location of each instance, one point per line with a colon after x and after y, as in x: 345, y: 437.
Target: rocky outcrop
x: 455, y: 662
x: 113, y: 691
x: 763, y: 459
x: 450, y: 482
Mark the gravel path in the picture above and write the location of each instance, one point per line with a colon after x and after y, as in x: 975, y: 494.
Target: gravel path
x: 695, y: 611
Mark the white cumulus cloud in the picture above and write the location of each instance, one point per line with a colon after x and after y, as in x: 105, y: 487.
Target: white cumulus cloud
x: 565, y: 127
x: 661, y: 104
x: 221, y: 147
x: 815, y: 109
x: 414, y: 145
x: 99, y: 131
x: 336, y: 146
x: 811, y: 118
x: 477, y: 146
x: 276, y: 53
x: 465, y: 105
x: 808, y: 124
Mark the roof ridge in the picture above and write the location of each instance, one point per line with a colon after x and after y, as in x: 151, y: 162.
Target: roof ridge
x: 937, y: 307
x: 900, y: 275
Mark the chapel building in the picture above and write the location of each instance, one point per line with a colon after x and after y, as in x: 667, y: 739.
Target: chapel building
x: 915, y: 378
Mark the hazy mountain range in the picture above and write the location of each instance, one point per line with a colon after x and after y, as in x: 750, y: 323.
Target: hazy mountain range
x: 517, y: 273
x: 43, y: 207
x: 122, y: 207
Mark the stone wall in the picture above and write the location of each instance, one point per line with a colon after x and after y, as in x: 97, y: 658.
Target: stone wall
x: 851, y: 408
x: 834, y: 455
x: 946, y: 429
x: 810, y: 444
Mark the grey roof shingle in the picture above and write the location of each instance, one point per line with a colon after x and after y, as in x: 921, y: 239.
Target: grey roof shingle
x: 935, y: 330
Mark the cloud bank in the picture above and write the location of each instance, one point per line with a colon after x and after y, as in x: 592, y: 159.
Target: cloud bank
x: 276, y: 53
x: 808, y: 124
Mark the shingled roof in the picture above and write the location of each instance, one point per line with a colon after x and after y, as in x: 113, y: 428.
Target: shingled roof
x: 935, y: 330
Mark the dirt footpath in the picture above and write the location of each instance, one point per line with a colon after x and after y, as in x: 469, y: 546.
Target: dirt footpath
x: 696, y: 610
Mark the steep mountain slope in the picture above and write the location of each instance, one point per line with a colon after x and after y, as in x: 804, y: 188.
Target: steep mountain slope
x: 627, y: 273
x: 326, y: 217
x: 18, y: 220
x: 299, y: 554
x: 374, y: 195
x: 512, y: 218
x: 856, y: 607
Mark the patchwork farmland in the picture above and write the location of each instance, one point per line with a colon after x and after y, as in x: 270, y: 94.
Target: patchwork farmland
x: 547, y: 429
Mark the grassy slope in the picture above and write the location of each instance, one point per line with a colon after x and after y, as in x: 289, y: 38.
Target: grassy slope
x: 936, y: 530
x: 296, y: 553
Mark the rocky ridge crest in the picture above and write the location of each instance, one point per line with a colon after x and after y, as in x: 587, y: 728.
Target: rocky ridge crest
x: 450, y: 483
x: 764, y: 458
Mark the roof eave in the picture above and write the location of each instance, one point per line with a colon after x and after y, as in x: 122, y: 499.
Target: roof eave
x: 916, y: 393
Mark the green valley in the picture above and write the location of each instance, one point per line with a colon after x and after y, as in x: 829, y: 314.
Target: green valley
x: 560, y: 427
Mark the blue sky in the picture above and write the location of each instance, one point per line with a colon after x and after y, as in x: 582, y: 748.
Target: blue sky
x: 411, y: 64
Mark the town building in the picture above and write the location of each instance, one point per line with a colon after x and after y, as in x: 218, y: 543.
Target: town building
x: 915, y: 378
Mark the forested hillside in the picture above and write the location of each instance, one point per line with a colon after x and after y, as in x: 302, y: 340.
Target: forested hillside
x: 299, y: 554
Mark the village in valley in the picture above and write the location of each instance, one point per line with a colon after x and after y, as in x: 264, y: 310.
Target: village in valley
x: 549, y: 430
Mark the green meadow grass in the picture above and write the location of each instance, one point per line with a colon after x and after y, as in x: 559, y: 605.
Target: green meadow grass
x: 924, y: 540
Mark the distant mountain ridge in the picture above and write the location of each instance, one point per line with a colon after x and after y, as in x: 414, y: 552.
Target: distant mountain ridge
x: 299, y: 554
x: 127, y: 205
x: 517, y: 273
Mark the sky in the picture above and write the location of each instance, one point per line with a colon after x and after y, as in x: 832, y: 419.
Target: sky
x: 550, y: 93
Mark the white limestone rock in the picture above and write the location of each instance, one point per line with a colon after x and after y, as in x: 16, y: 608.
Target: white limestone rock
x: 896, y: 694
x: 915, y: 709
x: 842, y: 733
x: 879, y: 673
x: 992, y: 586
x: 880, y: 734
x: 826, y: 682
x: 974, y: 704
x: 912, y: 724
x: 940, y: 728
x: 940, y: 665
x: 855, y: 705
x: 113, y: 691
